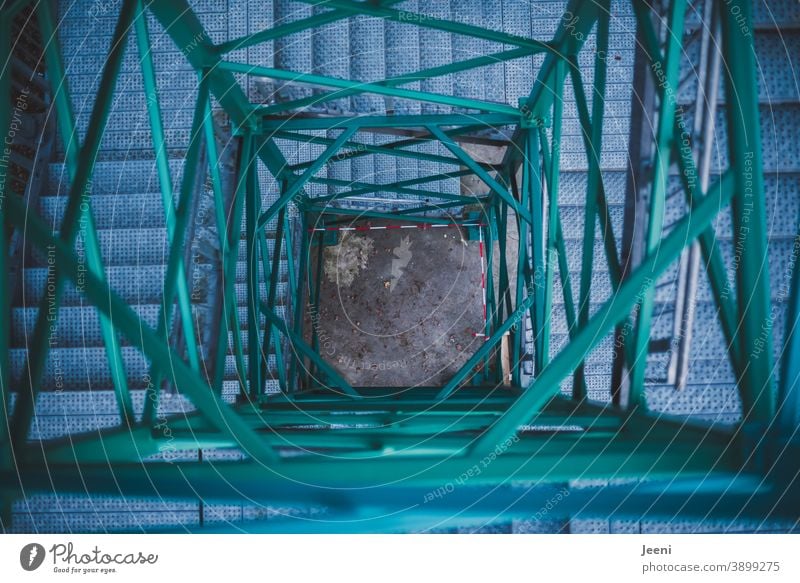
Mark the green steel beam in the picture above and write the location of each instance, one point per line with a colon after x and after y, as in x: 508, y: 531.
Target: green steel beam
x: 570, y: 37
x: 252, y: 212
x: 376, y: 88
x: 66, y: 123
x: 359, y: 215
x: 552, y: 176
x: 233, y: 233
x: 365, y: 122
x: 174, y: 274
x: 547, y: 385
x: 524, y: 275
x: 493, y: 184
x: 664, y: 137
x: 359, y: 147
x: 622, y: 458
x: 84, y: 167
x: 272, y: 292
x: 183, y: 26
x: 300, y: 300
x: 295, y: 186
x: 532, y: 165
x: 558, y: 252
x: 712, y: 256
x: 448, y: 69
x: 416, y: 140
x: 143, y: 337
x: 757, y: 387
x: 594, y: 134
x: 490, y: 343
x: 366, y: 188
x: 164, y: 176
x: 598, y: 187
x: 333, y: 377
x: 488, y: 233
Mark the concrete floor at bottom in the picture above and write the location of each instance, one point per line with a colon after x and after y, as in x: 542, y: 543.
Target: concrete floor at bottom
x: 399, y: 307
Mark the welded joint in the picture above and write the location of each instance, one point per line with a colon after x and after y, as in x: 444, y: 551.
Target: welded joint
x: 530, y: 119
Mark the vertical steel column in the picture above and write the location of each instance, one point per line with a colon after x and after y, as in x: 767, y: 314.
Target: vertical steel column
x: 252, y: 212
x: 552, y: 175
x: 523, y: 284
x: 655, y: 219
x: 537, y: 247
x: 232, y: 229
x: 748, y: 212
x: 271, y: 334
x: 174, y: 274
x: 595, y: 134
x: 164, y: 177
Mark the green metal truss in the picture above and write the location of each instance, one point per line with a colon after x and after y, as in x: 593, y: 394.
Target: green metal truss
x: 379, y: 446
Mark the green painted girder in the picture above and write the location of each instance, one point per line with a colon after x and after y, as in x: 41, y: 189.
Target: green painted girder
x: 622, y: 458
x: 232, y: 232
x: 164, y: 174
x: 712, y: 256
x: 593, y: 140
x: 467, y: 370
x: 570, y: 37
x: 404, y: 212
x: 376, y: 88
x: 141, y: 335
x: 748, y: 212
x: 441, y: 433
x: 640, y: 339
x: 335, y: 380
x: 295, y: 184
x: 544, y: 387
x: 269, y: 125
x: 183, y: 26
x: 326, y: 212
x: 448, y: 69
x: 552, y: 177
x: 255, y: 351
x: 418, y: 138
x: 174, y: 278
x: 467, y: 160
x: 359, y: 147
x: 369, y: 188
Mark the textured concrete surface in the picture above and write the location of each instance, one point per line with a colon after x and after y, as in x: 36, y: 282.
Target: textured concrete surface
x: 410, y: 314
